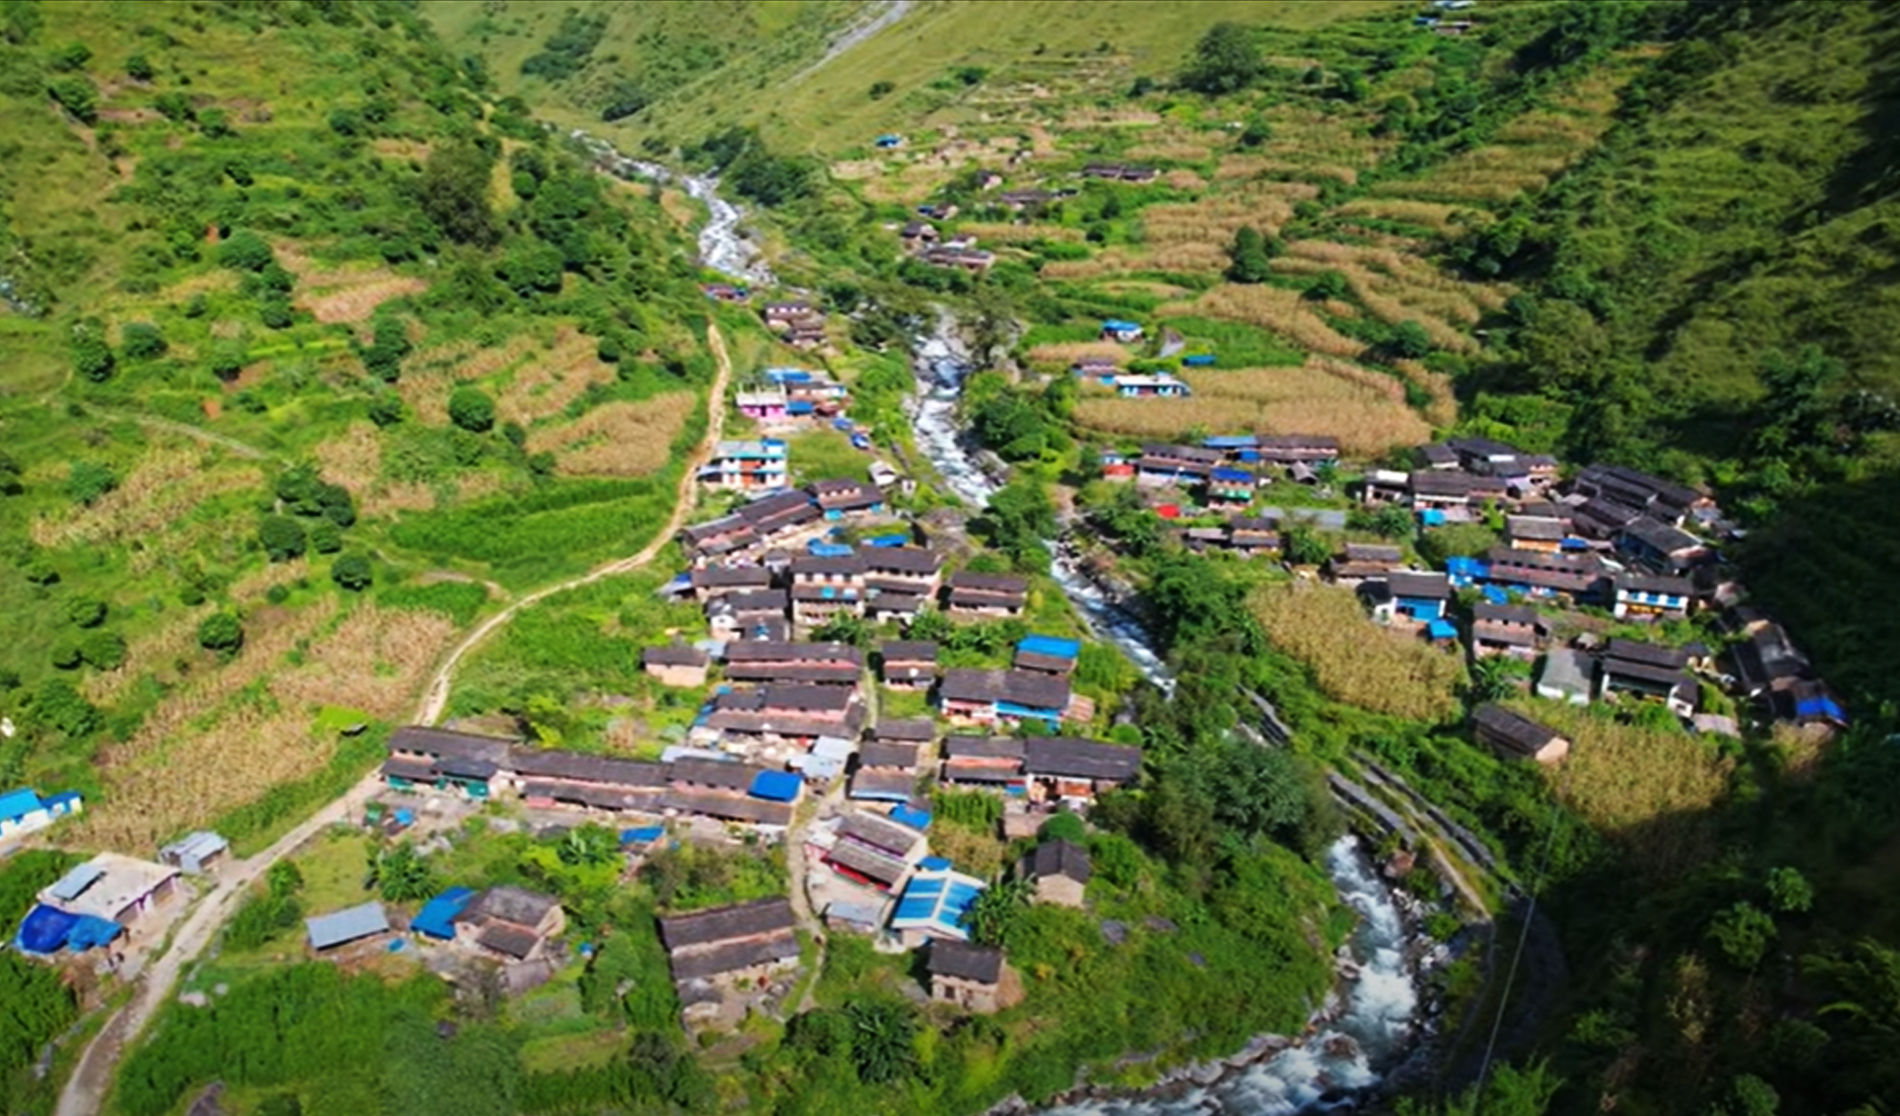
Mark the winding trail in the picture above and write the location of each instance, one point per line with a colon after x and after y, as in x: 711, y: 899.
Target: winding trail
x: 85, y: 1091
x: 893, y: 10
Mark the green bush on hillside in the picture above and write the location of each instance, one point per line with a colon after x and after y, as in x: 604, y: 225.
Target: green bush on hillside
x: 77, y: 96
x: 222, y: 632
x: 472, y: 410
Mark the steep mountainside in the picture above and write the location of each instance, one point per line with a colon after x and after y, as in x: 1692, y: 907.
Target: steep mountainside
x: 306, y: 340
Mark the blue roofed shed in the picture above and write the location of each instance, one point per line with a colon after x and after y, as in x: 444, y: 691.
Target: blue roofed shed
x: 642, y: 835
x: 436, y: 919
x: 906, y: 814
x: 44, y: 930
x: 775, y: 786
x: 1230, y: 442
x: 1198, y: 360
x: 935, y: 901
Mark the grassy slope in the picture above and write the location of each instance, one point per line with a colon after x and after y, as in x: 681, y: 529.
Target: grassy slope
x: 828, y: 108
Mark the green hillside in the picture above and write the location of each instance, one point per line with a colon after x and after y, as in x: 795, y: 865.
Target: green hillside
x: 313, y: 351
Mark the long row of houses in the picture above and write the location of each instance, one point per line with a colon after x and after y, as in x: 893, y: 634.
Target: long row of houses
x: 780, y: 519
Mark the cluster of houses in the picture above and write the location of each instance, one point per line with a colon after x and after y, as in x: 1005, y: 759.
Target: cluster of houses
x: 1225, y: 472
x: 799, y: 324
x: 924, y: 242
x: 111, y: 895
x: 790, y: 395
x: 1130, y: 385
x: 779, y: 519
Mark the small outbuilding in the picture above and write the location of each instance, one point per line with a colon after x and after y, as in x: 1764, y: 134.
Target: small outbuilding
x: 1515, y: 736
x: 1059, y: 870
x: 969, y: 976
x: 328, y: 931
x: 195, y: 853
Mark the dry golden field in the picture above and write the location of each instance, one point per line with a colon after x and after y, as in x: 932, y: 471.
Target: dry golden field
x: 1354, y: 660
x: 617, y: 439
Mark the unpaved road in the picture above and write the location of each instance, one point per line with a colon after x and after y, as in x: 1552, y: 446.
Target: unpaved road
x: 85, y: 1091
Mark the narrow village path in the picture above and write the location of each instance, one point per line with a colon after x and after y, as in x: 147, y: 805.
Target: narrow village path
x: 185, y: 429
x: 85, y: 1091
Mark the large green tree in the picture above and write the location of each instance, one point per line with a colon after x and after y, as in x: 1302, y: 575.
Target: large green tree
x: 1225, y: 61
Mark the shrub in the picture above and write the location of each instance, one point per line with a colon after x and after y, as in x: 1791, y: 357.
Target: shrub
x: 92, y: 357
x: 346, y: 121
x: 283, y: 537
x: 140, y: 68
x: 471, y: 410
x: 215, y: 124
x: 143, y: 341
x: 275, y: 312
x: 86, y: 612
x: 352, y: 572
x: 77, y: 96
x: 244, y: 250
x: 71, y: 58
x: 1064, y: 827
x: 388, y: 346
x: 881, y: 89
x: 385, y: 408
x: 89, y: 480
x: 326, y: 537
x: 227, y: 361
x: 102, y: 650
x: 65, y: 654
x: 57, y: 705
x: 222, y: 632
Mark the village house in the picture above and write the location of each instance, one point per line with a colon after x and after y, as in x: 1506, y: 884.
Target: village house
x: 1647, y: 671
x: 1543, y: 575
x: 875, y: 850
x: 808, y: 334
x: 510, y: 923
x: 1385, y: 486
x: 1118, y: 329
x: 1059, y: 871
x: 1437, y: 456
x: 981, y: 596
x: 717, y: 537
x: 984, y: 762
x: 1565, y: 676
x: 23, y: 811
x: 888, y: 762
x: 779, y: 315
x: 714, y: 581
x: 457, y: 762
x: 1251, y: 535
x: 1767, y: 659
x: 1534, y: 533
x: 713, y: 950
x: 732, y: 792
x: 898, y: 607
x: 1648, y: 596
x: 908, y: 664
x: 837, y: 499
x: 747, y: 466
x: 750, y: 615
x: 1170, y: 464
x: 1103, y: 370
x: 1660, y: 499
x: 1443, y: 490
x: 675, y: 664
x: 1071, y: 770
x: 1413, y: 595
x: 725, y: 292
x: 547, y: 778
x: 969, y: 976
x: 1486, y: 457
x: 975, y: 260
x: 113, y: 888
x: 1229, y: 488
x: 1292, y: 449
x: 787, y: 711
x: 1018, y: 200
x: 1047, y: 654
x: 1515, y: 736
x: 904, y: 570
x: 195, y: 854
x: 835, y: 664
x: 822, y: 587
x: 1663, y: 547
x: 983, y: 697
x: 1504, y: 629
x: 339, y: 928
x: 1157, y: 385
x: 1115, y: 465
x: 917, y: 234
x: 1363, y: 562
x: 1120, y: 172
x: 935, y: 901
x: 767, y: 405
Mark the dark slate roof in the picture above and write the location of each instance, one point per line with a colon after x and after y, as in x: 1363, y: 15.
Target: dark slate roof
x: 731, y: 577
x: 1368, y: 552
x: 722, y: 924
x: 1484, y: 612
x: 412, y: 770
x: 845, y: 495
x: 845, y: 565
x: 713, y: 773
x: 1442, y: 483
x: 728, y: 807
x: 508, y: 940
x: 912, y: 730
x: 1058, y: 858
x: 883, y: 782
x: 880, y: 832
x: 1534, y: 528
x: 646, y: 799
x: 1425, y: 586
x: 754, y: 600
x: 908, y: 651
x: 574, y: 766
x: 1513, y: 730
x: 1069, y: 757
x: 510, y: 904
x: 1437, y: 454
x: 1648, y: 583
x: 1645, y: 672
x: 753, y: 651
x: 1007, y: 584
x: 464, y: 768
x: 1661, y: 537
x: 903, y: 560
x: 964, y: 961
x: 734, y: 956
x: 782, y: 506
x: 1018, y: 687
x: 879, y: 753
x: 445, y: 744
x: 673, y: 654
x: 983, y: 747
x: 1635, y: 651
x: 869, y: 861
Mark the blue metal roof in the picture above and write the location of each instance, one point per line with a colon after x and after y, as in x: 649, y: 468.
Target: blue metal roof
x: 906, y: 815
x: 1442, y: 629
x: 888, y: 541
x: 642, y: 835
x: 1432, y: 517
x: 17, y: 804
x: 1819, y: 707
x: 1495, y: 595
x: 933, y: 864
x: 1198, y: 360
x: 1238, y: 476
x: 775, y: 786
x: 437, y: 916
x: 1119, y: 324
x: 1230, y: 441
x: 74, y: 883
x: 799, y: 407
x: 1050, y: 645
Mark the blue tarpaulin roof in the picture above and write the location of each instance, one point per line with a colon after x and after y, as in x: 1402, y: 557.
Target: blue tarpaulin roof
x: 799, y: 407
x: 437, y: 916
x: 1050, y: 645
x: 1120, y: 324
x: 907, y: 815
x: 1495, y: 595
x: 1442, y: 629
x: 1198, y: 360
x: 775, y: 786
x: 787, y: 375
x: 1432, y: 517
x: 44, y: 930
x: 642, y: 835
x: 1238, y: 476
x: 17, y: 804
x: 91, y: 932
x: 827, y: 550
x: 933, y: 864
x: 888, y: 541
x: 1467, y: 567
x: 843, y: 424
x: 1819, y: 707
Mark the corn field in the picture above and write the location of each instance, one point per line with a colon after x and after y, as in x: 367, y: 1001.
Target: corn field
x: 1354, y: 660
x: 545, y: 385
x: 1282, y: 311
x: 167, y: 485
x: 617, y: 439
